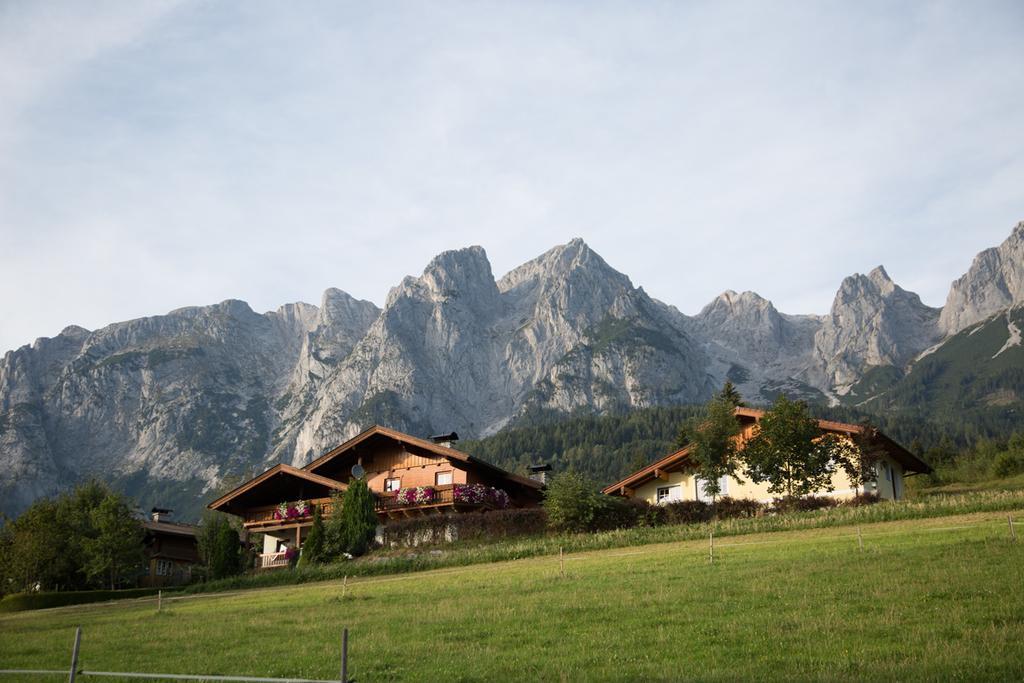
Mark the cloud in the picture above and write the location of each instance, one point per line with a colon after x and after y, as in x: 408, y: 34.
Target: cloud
x: 196, y: 151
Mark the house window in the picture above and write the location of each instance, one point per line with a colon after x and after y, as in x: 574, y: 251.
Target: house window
x: 443, y: 478
x: 723, y: 488
x: 392, y: 484
x: 163, y: 568
x: 667, y: 494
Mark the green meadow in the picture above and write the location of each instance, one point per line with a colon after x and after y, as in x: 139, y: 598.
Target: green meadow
x: 926, y: 599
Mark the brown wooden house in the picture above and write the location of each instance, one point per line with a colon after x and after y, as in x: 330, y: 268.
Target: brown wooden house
x: 408, y: 475
x: 172, y: 550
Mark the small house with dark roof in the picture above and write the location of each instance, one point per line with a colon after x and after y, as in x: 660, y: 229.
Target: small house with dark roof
x: 172, y: 550
x: 408, y: 476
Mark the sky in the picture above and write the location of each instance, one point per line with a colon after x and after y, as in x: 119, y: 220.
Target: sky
x: 164, y: 154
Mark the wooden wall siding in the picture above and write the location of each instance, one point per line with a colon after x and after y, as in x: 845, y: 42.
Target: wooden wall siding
x: 418, y: 475
x: 393, y: 456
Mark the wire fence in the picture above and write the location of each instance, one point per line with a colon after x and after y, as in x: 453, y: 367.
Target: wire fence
x: 76, y: 671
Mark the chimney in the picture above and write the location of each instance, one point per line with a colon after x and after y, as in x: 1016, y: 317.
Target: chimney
x: 160, y: 514
x: 445, y: 440
x: 540, y: 472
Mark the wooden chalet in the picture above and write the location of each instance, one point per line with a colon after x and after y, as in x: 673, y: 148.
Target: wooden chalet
x: 171, y: 550
x: 671, y: 478
x: 407, y: 475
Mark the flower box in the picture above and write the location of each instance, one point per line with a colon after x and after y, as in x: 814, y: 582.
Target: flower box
x: 297, y: 510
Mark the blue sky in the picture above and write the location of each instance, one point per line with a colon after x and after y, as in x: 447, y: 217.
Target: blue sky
x: 157, y: 155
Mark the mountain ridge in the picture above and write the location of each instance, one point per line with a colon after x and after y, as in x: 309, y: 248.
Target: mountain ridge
x: 172, y: 404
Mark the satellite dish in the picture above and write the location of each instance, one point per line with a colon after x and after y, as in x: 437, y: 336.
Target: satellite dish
x: 358, y: 471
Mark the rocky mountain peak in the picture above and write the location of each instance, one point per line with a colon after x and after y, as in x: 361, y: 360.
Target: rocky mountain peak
x: 858, y: 288
x: 451, y: 275
x: 574, y: 259
x: 880, y: 279
x: 731, y: 301
x: 994, y: 282
x: 75, y: 332
x: 873, y: 322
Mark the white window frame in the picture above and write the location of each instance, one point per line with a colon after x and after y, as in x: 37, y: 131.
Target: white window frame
x: 673, y: 493
x: 449, y: 474
x: 392, y: 484
x: 723, y: 485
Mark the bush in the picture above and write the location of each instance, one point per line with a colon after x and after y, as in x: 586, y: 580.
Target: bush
x: 687, y: 512
x: 574, y: 504
x: 613, y: 512
x: 1007, y: 464
x: 219, y: 546
x: 731, y: 508
x: 861, y: 499
x: 470, y: 526
x: 803, y: 503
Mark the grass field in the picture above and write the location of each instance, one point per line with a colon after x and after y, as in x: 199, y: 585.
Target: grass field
x: 929, y: 599
x: 399, y: 561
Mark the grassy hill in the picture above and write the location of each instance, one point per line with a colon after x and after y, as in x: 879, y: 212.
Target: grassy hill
x: 925, y: 600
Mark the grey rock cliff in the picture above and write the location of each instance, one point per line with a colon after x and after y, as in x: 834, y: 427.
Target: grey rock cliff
x: 994, y: 282
x: 873, y: 322
x: 757, y: 347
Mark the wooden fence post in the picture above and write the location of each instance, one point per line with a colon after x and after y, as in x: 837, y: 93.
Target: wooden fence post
x: 711, y: 546
x: 1013, y: 532
x: 74, y: 655
x: 159, y: 600
x: 860, y: 539
x: 344, y: 655
x: 561, y: 562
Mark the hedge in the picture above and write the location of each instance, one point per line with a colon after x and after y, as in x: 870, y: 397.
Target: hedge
x: 469, y: 526
x: 19, y: 602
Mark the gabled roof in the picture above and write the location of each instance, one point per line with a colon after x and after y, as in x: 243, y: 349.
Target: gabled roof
x: 436, y: 449
x: 910, y: 462
x: 281, y: 468
x: 175, y: 528
x: 673, y: 461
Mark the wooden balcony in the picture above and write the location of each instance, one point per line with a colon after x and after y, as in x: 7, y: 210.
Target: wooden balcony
x: 272, y: 560
x: 265, y: 519
x: 443, y: 500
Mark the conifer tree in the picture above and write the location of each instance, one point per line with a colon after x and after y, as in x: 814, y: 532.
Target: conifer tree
x: 313, y: 548
x: 353, y: 524
x: 715, y: 445
x: 731, y: 394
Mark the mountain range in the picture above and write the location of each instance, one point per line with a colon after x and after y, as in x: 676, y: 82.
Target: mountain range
x: 168, y: 406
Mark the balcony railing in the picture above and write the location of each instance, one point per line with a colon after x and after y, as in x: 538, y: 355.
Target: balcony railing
x: 443, y: 495
x: 267, y: 516
x: 273, y: 560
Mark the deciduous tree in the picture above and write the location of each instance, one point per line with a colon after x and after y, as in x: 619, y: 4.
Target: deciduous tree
x: 785, y: 451
x: 115, y: 550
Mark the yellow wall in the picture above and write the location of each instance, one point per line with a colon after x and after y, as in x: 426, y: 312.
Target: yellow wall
x: 840, y: 484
